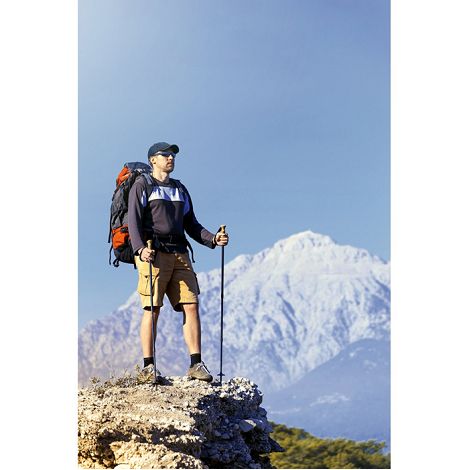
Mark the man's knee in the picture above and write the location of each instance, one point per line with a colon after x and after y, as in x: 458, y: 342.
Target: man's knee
x: 148, y: 312
x: 191, y: 310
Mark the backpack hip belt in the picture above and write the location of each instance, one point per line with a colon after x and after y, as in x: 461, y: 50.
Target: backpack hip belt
x: 175, y: 239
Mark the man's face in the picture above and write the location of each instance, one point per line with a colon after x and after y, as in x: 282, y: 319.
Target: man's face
x: 164, y: 161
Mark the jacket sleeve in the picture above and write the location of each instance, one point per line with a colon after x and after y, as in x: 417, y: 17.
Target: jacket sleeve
x: 193, y: 228
x: 136, y: 205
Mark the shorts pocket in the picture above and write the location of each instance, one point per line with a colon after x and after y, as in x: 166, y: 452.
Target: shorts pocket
x: 143, y: 286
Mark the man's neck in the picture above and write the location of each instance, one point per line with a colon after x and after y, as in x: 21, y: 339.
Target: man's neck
x: 161, y: 176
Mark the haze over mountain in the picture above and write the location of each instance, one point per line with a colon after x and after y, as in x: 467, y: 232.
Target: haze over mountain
x: 292, y: 306
x: 287, y: 310
x: 347, y: 396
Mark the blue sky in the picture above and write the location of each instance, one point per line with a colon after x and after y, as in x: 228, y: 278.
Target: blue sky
x: 280, y: 108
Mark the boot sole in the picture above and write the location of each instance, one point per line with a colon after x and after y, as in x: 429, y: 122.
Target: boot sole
x: 198, y: 378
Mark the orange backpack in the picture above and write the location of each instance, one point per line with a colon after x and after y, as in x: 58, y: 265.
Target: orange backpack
x: 118, y: 228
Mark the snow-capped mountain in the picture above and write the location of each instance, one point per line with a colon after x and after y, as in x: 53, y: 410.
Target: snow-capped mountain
x: 287, y: 310
x: 348, y: 396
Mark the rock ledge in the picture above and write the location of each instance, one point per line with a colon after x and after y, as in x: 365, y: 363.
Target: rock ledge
x: 180, y: 423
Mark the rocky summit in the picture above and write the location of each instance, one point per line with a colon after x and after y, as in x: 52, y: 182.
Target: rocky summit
x: 126, y: 422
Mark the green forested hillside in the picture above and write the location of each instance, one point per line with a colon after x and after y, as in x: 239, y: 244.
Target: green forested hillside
x: 306, y: 451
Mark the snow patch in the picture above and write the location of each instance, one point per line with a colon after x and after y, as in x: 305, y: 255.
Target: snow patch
x: 329, y: 399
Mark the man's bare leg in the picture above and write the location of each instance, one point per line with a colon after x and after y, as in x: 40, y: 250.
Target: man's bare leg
x: 146, y: 331
x: 192, y: 336
x: 192, y: 328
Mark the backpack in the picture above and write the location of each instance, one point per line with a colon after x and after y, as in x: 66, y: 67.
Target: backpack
x: 118, y: 229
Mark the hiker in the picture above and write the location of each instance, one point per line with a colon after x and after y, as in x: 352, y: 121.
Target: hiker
x: 163, y: 217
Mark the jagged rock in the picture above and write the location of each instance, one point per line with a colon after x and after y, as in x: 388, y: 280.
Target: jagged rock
x: 178, y: 424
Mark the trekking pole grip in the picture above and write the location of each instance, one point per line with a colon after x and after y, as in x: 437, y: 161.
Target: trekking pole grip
x: 149, y: 244
x: 222, y: 228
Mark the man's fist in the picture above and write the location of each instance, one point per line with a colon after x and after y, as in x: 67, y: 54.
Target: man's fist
x: 146, y: 254
x: 221, y: 238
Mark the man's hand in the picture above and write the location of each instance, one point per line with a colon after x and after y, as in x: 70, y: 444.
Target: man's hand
x: 221, y: 238
x: 146, y: 254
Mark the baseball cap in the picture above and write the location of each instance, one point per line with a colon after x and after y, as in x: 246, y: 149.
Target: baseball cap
x: 162, y: 146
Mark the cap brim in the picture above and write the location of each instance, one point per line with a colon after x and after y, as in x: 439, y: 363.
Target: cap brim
x: 174, y: 148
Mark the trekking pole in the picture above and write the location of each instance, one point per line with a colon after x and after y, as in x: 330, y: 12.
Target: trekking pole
x: 222, y: 230
x: 149, y: 246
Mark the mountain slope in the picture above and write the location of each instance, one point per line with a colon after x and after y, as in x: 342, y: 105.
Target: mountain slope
x: 348, y: 396
x: 287, y: 310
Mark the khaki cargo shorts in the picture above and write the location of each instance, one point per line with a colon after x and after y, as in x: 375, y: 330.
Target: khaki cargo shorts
x: 173, y: 275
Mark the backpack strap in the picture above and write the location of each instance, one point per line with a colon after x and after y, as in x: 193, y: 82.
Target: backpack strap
x: 190, y: 249
x: 180, y: 186
x: 149, y: 183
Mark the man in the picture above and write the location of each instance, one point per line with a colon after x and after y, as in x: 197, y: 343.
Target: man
x: 163, y: 213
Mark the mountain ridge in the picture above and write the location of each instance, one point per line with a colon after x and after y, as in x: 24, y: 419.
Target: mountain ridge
x: 294, y: 242
x: 292, y: 306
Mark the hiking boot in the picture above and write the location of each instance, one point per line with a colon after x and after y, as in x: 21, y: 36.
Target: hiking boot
x: 147, y: 375
x: 200, y: 371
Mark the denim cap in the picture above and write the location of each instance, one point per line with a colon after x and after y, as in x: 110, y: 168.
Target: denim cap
x: 161, y: 147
